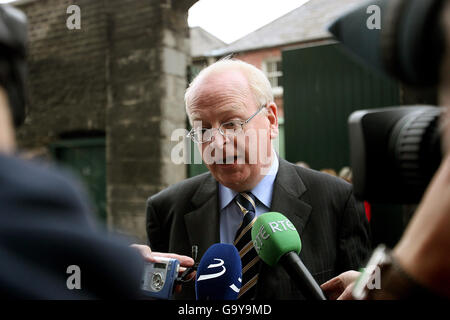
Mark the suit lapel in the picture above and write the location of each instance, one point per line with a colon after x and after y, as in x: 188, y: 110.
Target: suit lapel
x: 288, y: 188
x: 287, y: 191
x: 202, y: 223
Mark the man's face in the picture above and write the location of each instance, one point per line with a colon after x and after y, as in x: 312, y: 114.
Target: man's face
x: 236, y: 162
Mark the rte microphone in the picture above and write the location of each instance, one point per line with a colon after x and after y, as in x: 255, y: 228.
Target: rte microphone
x: 219, y: 273
x: 276, y: 240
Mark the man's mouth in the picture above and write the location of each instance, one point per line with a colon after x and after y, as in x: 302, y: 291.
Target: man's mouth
x: 230, y: 160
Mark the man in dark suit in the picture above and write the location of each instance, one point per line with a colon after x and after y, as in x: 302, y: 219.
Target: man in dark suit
x: 230, y: 105
x: 50, y: 246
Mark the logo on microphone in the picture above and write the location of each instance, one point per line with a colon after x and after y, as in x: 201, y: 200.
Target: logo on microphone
x: 234, y: 288
x: 214, y: 275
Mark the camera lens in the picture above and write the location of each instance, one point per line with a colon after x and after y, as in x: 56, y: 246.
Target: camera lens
x: 157, y: 281
x: 416, y: 148
x: 394, y: 152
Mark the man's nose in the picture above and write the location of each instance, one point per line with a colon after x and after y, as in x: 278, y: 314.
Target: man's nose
x: 218, y: 139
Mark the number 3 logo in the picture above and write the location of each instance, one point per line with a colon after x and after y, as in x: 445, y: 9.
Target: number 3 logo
x: 214, y: 275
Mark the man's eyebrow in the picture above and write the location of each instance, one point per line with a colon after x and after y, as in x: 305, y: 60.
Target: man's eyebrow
x: 235, y: 109
x: 196, y: 117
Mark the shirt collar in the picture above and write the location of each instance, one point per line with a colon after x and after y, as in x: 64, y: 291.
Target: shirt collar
x: 262, y: 191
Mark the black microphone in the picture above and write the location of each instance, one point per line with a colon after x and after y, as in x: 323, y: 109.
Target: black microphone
x: 294, y: 266
x: 277, y: 241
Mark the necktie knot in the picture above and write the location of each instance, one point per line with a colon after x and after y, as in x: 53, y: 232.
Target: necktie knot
x: 247, y: 201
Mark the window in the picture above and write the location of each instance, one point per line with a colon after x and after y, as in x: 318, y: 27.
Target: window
x: 272, y: 68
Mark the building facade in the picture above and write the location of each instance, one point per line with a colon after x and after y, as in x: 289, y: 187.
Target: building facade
x: 106, y: 97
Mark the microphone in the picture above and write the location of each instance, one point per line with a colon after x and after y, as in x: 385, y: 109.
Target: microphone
x: 219, y: 273
x: 277, y: 241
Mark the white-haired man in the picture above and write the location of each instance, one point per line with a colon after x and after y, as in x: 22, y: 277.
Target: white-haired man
x: 235, y: 119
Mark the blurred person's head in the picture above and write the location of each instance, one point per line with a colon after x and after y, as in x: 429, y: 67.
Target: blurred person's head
x: 346, y: 174
x: 13, y: 38
x: 329, y: 171
x: 302, y: 164
x: 227, y: 91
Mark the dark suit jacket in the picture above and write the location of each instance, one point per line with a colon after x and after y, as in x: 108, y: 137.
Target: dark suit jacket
x: 46, y: 226
x: 332, y: 225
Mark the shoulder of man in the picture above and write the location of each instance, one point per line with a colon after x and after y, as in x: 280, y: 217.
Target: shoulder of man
x: 47, y: 187
x: 322, y: 187
x: 47, y: 226
x: 314, y: 179
x: 182, y: 191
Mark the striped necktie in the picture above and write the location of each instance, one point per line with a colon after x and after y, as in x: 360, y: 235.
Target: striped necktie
x: 243, y: 243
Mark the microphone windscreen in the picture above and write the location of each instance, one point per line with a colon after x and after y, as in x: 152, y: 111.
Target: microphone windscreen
x: 273, y: 236
x: 219, y: 273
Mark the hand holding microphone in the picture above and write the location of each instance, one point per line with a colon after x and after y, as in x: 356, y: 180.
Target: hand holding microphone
x: 277, y: 241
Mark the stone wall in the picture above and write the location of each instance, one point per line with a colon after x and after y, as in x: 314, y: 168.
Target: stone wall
x: 123, y: 73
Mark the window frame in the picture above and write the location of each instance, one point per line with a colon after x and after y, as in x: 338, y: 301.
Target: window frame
x: 278, y: 90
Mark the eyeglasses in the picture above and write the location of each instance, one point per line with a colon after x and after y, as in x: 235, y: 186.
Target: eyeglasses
x: 227, y: 129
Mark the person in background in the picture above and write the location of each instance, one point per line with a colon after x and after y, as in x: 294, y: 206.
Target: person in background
x: 303, y: 164
x: 346, y: 174
x: 329, y: 171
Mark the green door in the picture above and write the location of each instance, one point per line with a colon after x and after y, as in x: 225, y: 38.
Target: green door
x: 86, y: 159
x: 322, y: 87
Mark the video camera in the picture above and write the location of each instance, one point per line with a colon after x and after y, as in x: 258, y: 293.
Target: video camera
x: 395, y: 151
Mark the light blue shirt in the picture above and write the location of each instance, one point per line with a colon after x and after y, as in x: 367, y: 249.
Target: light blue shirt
x: 230, y: 214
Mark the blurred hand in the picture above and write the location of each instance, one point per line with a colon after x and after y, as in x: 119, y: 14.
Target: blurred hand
x: 150, y: 256
x: 340, y: 287
x: 423, y: 249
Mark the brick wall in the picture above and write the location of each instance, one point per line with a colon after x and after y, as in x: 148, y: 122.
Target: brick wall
x: 67, y: 71
x: 123, y: 73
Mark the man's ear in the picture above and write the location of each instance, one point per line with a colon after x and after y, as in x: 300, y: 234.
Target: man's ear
x: 272, y: 116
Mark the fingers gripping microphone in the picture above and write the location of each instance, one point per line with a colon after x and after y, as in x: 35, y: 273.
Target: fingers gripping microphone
x: 277, y: 241
x: 219, y: 273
